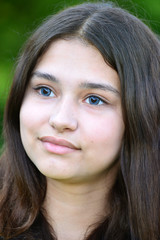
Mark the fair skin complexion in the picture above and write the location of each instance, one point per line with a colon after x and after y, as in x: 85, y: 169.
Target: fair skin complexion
x: 72, y: 128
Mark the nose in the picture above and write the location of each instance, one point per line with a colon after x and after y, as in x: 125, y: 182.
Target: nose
x: 63, y: 118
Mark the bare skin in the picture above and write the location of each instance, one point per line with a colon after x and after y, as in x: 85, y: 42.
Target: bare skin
x: 73, y: 208
x: 72, y: 128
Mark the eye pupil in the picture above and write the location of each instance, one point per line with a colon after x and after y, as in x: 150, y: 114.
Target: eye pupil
x: 45, y: 91
x: 94, y: 100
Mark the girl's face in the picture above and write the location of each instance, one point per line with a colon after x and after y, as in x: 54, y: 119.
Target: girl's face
x: 71, y: 120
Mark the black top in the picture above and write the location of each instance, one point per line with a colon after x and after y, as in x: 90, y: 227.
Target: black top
x: 30, y: 234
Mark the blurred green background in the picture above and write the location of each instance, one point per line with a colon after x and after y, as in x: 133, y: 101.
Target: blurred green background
x: 18, y: 18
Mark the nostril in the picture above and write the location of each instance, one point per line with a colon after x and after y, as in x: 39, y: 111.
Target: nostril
x: 63, y: 122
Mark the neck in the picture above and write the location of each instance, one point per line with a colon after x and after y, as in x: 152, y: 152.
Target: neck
x: 73, y: 208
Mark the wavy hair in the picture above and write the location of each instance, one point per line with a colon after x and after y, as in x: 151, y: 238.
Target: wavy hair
x: 130, y: 48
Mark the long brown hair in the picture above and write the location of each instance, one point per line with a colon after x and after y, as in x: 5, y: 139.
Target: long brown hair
x: 130, y: 48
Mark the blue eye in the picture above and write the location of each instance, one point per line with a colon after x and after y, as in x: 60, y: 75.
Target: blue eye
x: 45, y: 91
x: 94, y: 100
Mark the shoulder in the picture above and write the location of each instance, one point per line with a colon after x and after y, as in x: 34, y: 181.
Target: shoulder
x: 20, y: 237
x: 25, y: 236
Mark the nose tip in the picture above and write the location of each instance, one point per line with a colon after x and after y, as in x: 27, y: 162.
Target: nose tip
x: 63, y: 120
x: 61, y: 125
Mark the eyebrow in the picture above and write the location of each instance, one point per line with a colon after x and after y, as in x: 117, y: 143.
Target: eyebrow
x: 85, y: 85
x: 105, y: 87
x: 46, y: 76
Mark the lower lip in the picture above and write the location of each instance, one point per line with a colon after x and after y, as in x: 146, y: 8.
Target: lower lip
x: 57, y: 149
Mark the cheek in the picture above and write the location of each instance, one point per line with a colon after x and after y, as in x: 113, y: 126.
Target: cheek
x: 31, y: 115
x: 105, y: 131
x: 27, y: 118
x: 102, y: 141
x: 29, y: 123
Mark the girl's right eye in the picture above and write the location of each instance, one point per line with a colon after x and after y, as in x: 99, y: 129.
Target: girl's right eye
x: 45, y: 91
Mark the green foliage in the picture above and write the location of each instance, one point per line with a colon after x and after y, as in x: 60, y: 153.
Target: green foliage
x: 19, y: 18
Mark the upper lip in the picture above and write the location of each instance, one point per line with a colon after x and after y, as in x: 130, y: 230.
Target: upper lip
x: 58, y: 141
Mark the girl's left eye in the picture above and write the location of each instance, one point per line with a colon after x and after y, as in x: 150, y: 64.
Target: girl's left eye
x: 94, y: 100
x: 45, y: 91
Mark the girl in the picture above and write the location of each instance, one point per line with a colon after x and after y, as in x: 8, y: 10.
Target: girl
x: 82, y: 130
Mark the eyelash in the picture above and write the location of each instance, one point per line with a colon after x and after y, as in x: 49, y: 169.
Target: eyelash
x: 96, y: 99
x: 47, y: 89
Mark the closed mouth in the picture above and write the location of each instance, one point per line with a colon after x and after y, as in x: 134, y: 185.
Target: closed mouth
x: 58, y: 142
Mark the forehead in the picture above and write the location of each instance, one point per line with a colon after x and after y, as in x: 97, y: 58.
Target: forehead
x: 70, y: 48
x: 76, y: 59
